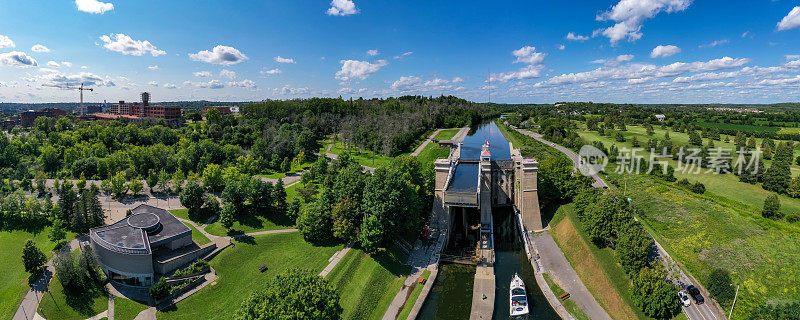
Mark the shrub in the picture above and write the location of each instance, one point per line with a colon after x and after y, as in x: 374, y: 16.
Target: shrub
x: 793, y: 217
x: 719, y: 285
x: 772, y: 207
x: 698, y: 188
x: 160, y: 289
x: 195, y: 267
x: 684, y: 183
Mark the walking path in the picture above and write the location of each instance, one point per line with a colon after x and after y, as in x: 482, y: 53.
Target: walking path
x: 576, y: 160
x: 30, y: 304
x: 555, y: 264
x: 334, y: 260
x: 425, y: 143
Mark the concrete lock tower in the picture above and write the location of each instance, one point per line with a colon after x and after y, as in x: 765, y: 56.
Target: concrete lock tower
x: 527, y: 198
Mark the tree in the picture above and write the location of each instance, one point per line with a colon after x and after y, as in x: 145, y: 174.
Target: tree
x: 261, y: 197
x: 58, y: 233
x: 160, y: 289
x: 619, y: 137
x: 136, y: 186
x: 152, y: 180
x: 279, y: 198
x: 226, y: 218
x: 32, y: 258
x: 606, y: 218
x: 789, y: 311
x: 698, y: 188
x: 213, y: 178
x: 635, y: 142
x: 778, y: 176
x: 192, y: 196
x: 119, y: 184
x: 794, y: 188
x: 653, y: 295
x: 347, y: 218
x: 315, y: 223
x: 772, y: 206
x: 694, y: 138
x: 719, y: 285
x: 235, y: 194
x: 371, y: 234
x: 293, y: 294
x: 633, y: 248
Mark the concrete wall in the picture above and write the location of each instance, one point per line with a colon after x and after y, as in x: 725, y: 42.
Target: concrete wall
x: 165, y: 267
x: 180, y: 242
x: 139, y: 264
x: 528, y: 197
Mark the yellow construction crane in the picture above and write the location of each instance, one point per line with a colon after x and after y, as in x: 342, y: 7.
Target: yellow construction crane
x: 81, y: 89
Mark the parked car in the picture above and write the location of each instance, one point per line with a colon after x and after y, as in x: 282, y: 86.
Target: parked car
x: 695, y: 293
x: 684, y: 298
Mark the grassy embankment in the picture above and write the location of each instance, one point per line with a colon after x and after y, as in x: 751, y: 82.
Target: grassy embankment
x: 239, y: 276
x: 412, y: 298
x: 57, y: 305
x: 197, y: 236
x: 125, y: 309
x: 368, y: 283
x: 569, y: 304
x: 14, y: 279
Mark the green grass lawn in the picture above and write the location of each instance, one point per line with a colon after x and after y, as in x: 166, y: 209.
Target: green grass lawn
x: 569, y: 304
x: 197, y: 236
x: 749, y: 196
x: 281, y: 175
x: 251, y: 224
x: 368, y: 283
x: 14, y: 279
x: 412, y: 298
x: 71, y: 307
x: 125, y: 309
x: 239, y: 276
x: 702, y: 233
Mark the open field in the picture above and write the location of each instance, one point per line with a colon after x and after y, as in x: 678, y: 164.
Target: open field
x: 597, y: 268
x: 363, y: 157
x: 570, y: 305
x: 14, y: 279
x: 740, y: 127
x: 257, y: 223
x: 368, y: 283
x: 748, y: 196
x: 125, y: 309
x: 238, y: 272
x: 703, y: 233
x: 57, y: 305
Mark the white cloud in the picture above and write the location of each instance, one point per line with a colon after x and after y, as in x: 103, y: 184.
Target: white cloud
x: 124, y: 44
x: 342, y: 8
x: 714, y: 43
x: 404, y: 54
x: 66, y: 64
x: 5, y: 42
x: 792, y: 56
x: 202, y: 74
x: 38, y: 48
x: 576, y: 37
x: 153, y: 67
x: 791, y: 20
x: 169, y: 86
x: 643, y: 71
x: 528, y: 55
x: 17, y: 59
x: 664, y: 51
x: 153, y: 83
x: 271, y: 71
x: 213, y: 84
x: 744, y: 34
x: 242, y: 84
x: 288, y: 90
x: 53, y: 64
x: 280, y: 59
x: 88, y: 79
x: 561, y: 47
x: 227, y: 73
x: 222, y: 55
x: 373, y: 52
x: 630, y: 14
x: 47, y: 70
x: 457, y: 80
x: 93, y: 6
x: 406, y: 82
x: 84, y: 67
x: 354, y: 69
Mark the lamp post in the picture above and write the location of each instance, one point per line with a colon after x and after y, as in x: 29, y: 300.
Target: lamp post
x: 734, y: 300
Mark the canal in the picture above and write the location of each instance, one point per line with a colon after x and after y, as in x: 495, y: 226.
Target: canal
x: 451, y: 294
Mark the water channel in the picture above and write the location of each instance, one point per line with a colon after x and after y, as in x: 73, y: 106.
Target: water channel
x: 451, y: 294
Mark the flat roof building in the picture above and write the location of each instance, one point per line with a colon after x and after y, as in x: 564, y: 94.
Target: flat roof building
x: 139, y: 248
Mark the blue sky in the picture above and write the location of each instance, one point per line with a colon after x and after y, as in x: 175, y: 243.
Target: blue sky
x: 639, y: 51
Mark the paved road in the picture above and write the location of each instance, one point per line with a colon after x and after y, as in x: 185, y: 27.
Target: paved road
x: 707, y: 311
x: 556, y: 265
x: 422, y: 146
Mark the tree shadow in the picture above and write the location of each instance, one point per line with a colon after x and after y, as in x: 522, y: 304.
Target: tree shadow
x: 83, y: 301
x: 393, y: 260
x: 245, y: 239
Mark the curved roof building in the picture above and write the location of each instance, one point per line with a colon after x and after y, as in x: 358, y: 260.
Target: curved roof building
x: 126, y: 249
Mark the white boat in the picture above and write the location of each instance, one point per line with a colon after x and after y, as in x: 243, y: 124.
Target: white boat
x: 518, y: 297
